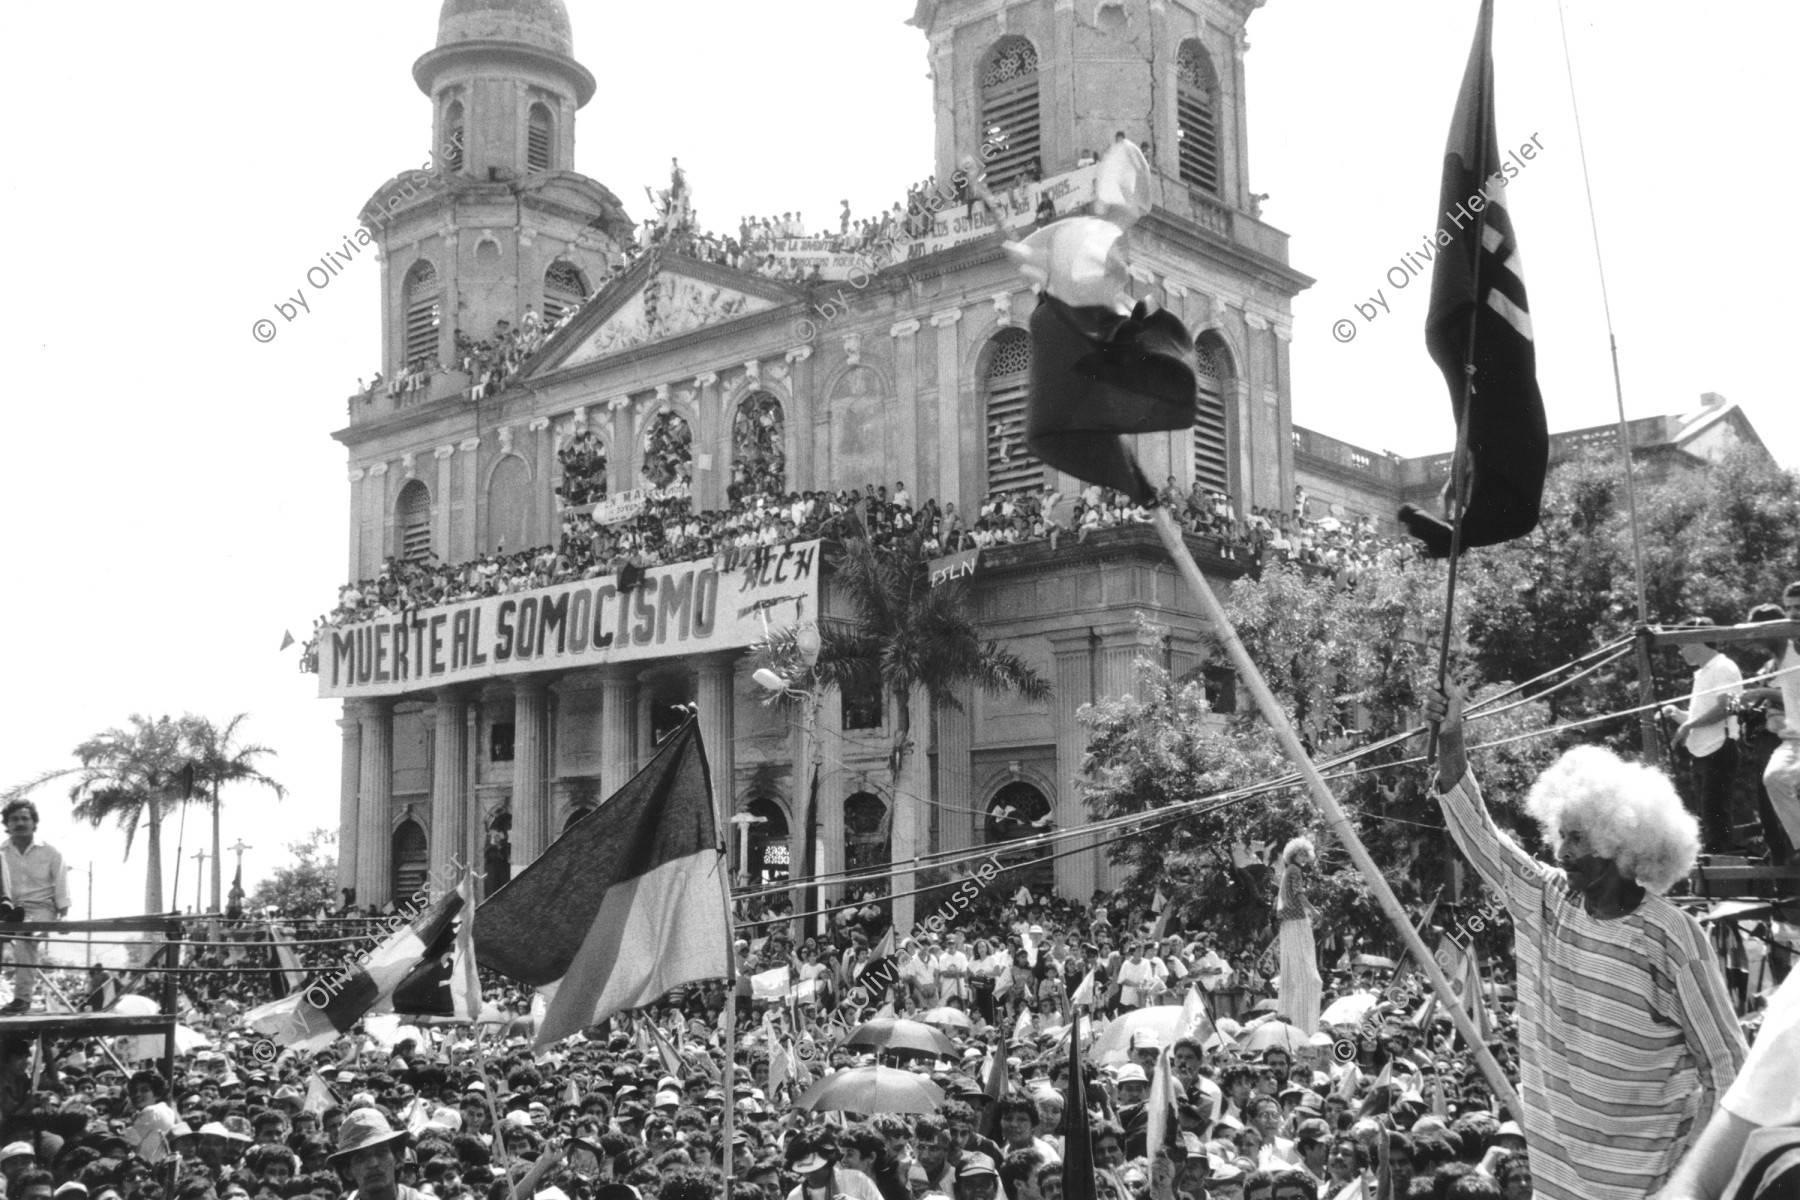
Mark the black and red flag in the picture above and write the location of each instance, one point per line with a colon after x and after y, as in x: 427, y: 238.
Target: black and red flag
x: 1078, y: 1143
x: 1479, y: 316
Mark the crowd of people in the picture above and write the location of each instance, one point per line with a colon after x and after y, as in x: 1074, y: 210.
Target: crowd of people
x: 668, y: 529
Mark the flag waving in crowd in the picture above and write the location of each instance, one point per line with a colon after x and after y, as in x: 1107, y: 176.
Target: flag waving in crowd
x: 627, y: 904
x: 1479, y: 317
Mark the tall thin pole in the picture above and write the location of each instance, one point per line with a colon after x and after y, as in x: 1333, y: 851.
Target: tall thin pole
x: 1652, y: 743
x: 200, y: 857
x: 90, y: 914
x: 1459, y: 470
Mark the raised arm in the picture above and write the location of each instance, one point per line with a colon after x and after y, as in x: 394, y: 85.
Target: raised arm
x: 1502, y: 864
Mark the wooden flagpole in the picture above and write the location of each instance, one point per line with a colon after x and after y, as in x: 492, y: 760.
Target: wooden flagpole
x: 1273, y: 713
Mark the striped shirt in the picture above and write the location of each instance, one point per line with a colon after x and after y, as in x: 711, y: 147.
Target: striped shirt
x: 1627, y: 1039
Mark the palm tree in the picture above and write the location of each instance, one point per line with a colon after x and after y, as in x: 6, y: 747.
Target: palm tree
x: 134, y: 776
x: 219, y: 761
x: 915, y: 644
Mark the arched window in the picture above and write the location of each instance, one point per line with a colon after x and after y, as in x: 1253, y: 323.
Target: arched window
x: 411, y: 861
x: 758, y: 450
x: 583, y: 459
x: 412, y: 522
x: 1197, y: 116
x: 1213, y: 369
x: 1010, y: 467
x: 509, y: 505
x: 1017, y: 810
x: 564, y: 290
x: 668, y: 450
x: 767, y: 863
x: 865, y: 832
x: 453, y: 136
x: 540, y: 139
x: 422, y: 304
x: 1009, y: 113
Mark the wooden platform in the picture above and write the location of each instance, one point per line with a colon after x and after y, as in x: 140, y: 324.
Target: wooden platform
x: 104, y: 1024
x: 1732, y: 878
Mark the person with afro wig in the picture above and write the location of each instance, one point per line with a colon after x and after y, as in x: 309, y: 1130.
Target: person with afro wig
x: 1298, y: 1002
x: 1627, y: 1038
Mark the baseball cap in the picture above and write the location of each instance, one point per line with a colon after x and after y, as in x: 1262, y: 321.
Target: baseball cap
x: 1130, y: 1073
x: 976, y: 1164
x: 1312, y: 1131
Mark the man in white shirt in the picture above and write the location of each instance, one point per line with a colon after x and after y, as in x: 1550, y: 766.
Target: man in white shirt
x: 952, y: 969
x: 1781, y: 778
x: 1709, y: 734
x: 37, y: 883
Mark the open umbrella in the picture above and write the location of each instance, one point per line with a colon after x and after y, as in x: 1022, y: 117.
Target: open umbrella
x: 893, y: 1034
x: 873, y: 1090
x: 951, y: 1018
x: 1114, y: 1044
x: 1349, y: 1010
x: 1274, y: 1035
x: 1374, y: 960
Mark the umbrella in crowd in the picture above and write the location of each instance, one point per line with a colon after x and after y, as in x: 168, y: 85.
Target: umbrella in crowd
x: 951, y: 1018
x: 873, y: 1090
x: 1348, y: 1010
x: 1275, y: 1035
x: 893, y: 1035
x: 1114, y: 1044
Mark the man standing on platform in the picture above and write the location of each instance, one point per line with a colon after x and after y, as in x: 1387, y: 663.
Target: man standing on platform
x: 1627, y: 1039
x: 40, y: 887
x: 1709, y: 734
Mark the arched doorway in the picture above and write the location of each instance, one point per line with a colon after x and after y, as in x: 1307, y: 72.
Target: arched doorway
x: 767, y: 862
x: 1018, y: 811
x: 865, y: 832
x: 497, y: 856
x: 411, y: 861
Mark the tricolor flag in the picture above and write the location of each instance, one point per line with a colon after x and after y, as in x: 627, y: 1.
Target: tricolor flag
x: 314, y: 1018
x: 1194, y: 1021
x: 628, y: 903
x: 319, y: 1096
x: 671, y: 1061
x: 1478, y: 313
x: 445, y: 983
x: 998, y: 1080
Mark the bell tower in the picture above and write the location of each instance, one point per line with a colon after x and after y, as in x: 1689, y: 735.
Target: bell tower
x: 1038, y: 85
x: 498, y: 224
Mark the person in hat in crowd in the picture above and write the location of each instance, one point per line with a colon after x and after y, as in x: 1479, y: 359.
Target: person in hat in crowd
x: 822, y: 1179
x: 368, y: 1155
x: 1706, y: 740
x: 36, y: 883
x: 1626, y: 1034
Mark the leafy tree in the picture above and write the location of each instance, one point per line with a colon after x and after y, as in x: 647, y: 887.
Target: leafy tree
x: 915, y: 644
x: 218, y: 760
x: 304, y: 886
x: 1349, y: 664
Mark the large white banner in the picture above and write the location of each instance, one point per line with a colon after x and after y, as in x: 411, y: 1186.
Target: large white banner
x: 686, y: 608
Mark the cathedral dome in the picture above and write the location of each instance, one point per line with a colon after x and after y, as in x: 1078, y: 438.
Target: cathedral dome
x: 540, y: 23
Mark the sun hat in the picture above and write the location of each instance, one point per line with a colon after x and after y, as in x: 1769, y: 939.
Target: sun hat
x: 362, y: 1129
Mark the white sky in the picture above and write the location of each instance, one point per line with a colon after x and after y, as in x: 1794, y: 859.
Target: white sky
x: 175, y: 171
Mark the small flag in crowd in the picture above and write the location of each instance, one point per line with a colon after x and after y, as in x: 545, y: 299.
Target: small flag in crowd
x: 319, y: 1098
x: 1508, y: 439
x: 995, y: 1089
x: 1156, y: 1110
x: 671, y: 1061
x: 287, y: 639
x: 1078, y: 1146
x: 622, y: 909
x: 301, y: 1020
x: 1194, y: 1021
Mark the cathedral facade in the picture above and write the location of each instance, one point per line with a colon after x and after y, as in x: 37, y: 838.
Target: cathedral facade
x: 900, y: 366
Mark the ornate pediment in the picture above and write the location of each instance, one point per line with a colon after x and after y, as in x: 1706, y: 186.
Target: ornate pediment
x: 667, y: 303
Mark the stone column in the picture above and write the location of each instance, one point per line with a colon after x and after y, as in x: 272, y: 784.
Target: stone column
x: 1280, y: 388
x: 440, y: 506
x: 951, y: 420
x: 955, y: 790
x: 943, y: 99
x: 716, y: 693
x: 712, y: 437
x: 376, y: 497
x: 349, y: 795
x: 356, y: 514
x: 449, y: 785
x: 543, y: 500
x: 1074, y: 654
x: 374, y: 832
x: 1117, y: 674
x: 467, y: 535
x: 796, y: 432
x: 531, y: 783
x: 912, y: 453
x: 618, y: 727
